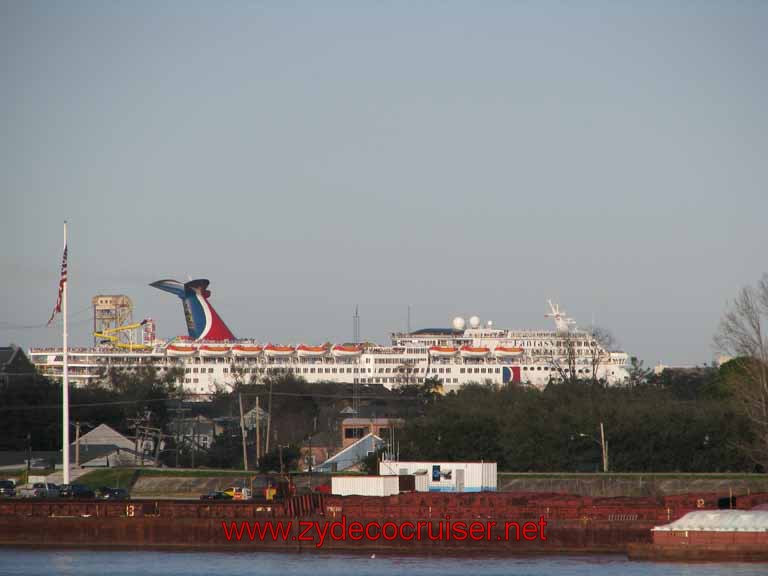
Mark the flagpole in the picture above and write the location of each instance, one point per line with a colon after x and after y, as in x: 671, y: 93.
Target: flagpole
x: 65, y: 382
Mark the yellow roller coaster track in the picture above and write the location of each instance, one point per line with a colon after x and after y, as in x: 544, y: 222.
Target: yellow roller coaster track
x: 112, y: 335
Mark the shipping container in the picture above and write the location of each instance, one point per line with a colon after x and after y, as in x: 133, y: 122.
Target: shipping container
x: 365, y: 485
x: 446, y: 476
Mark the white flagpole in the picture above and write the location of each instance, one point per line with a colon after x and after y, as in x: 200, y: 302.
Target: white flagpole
x: 65, y: 383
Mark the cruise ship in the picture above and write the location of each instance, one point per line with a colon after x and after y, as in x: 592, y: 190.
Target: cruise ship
x: 210, y: 358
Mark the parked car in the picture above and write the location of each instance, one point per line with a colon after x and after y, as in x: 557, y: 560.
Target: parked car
x: 38, y: 490
x: 106, y: 493
x: 75, y: 491
x: 238, y: 493
x: 7, y: 489
x: 216, y: 496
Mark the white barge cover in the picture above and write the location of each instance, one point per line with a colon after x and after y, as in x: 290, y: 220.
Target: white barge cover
x: 719, y: 521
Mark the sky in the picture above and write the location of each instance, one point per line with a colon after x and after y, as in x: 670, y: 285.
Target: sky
x: 459, y: 158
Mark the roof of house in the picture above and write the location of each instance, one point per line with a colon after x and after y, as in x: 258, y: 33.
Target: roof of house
x: 353, y: 454
x: 6, y: 354
x: 104, y: 435
x: 371, y: 421
x: 13, y: 356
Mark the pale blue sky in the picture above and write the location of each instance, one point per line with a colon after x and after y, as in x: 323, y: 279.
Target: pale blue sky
x: 460, y: 157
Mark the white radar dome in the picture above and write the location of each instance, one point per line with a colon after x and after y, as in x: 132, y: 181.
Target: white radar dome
x: 474, y: 322
x: 458, y: 323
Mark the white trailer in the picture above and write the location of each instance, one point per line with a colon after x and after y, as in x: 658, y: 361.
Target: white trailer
x: 445, y: 476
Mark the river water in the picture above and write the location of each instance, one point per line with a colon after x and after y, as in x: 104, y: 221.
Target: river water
x: 99, y: 563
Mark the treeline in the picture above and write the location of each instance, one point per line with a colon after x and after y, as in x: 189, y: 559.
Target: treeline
x: 30, y: 407
x: 682, y: 421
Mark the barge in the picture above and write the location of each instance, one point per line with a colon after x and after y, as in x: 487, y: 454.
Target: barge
x: 571, y: 524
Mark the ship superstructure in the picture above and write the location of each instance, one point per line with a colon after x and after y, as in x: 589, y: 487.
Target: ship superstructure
x: 211, y: 358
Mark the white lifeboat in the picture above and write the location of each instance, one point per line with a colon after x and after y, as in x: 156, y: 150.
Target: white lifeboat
x: 443, y: 351
x: 473, y: 352
x: 505, y: 352
x: 175, y: 350
x: 278, y: 351
x: 214, y: 350
x: 243, y: 350
x: 340, y: 351
x: 305, y: 351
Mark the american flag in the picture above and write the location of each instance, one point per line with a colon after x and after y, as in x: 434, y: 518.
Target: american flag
x: 62, y: 281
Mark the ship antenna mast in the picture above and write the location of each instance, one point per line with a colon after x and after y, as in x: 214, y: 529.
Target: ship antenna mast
x: 562, y: 322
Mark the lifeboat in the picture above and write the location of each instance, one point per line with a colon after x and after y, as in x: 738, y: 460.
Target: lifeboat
x: 340, y: 351
x: 213, y: 350
x: 443, y: 351
x: 472, y: 352
x: 242, y: 350
x: 174, y: 350
x: 504, y: 352
x: 278, y: 351
x: 305, y: 351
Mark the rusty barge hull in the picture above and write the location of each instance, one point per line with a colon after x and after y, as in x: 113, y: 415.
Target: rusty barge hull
x: 574, y: 524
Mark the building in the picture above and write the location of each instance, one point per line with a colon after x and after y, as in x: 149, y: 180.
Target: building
x: 13, y: 362
x: 105, y: 447
x: 352, y: 429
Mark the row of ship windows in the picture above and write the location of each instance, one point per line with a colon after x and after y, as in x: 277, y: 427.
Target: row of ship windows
x: 433, y: 370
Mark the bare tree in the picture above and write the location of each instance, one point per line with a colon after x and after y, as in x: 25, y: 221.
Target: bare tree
x: 742, y: 334
x: 564, y: 359
x: 600, y: 345
x: 577, y: 345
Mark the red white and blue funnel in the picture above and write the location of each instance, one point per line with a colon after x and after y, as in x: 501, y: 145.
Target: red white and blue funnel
x: 203, y: 323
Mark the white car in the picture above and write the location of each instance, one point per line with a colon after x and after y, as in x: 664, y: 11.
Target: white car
x: 38, y: 490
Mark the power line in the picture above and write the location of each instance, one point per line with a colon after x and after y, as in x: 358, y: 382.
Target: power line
x: 4, y: 325
x: 152, y: 400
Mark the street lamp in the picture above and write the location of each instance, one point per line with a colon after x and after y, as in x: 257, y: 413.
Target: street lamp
x: 602, y: 443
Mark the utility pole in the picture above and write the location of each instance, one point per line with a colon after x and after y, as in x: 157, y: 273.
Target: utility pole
x: 136, y: 423
x: 269, y: 418
x: 194, y: 440
x: 242, y: 432
x: 179, y: 414
x: 77, y: 444
x: 258, y: 434
x: 604, y: 448
x: 314, y: 430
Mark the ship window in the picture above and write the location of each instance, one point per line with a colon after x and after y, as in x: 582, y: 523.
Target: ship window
x: 195, y: 380
x: 226, y: 370
x: 187, y: 380
x: 210, y: 370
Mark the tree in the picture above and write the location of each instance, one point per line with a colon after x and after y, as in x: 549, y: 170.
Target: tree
x: 564, y: 359
x: 638, y: 374
x: 742, y: 334
x: 600, y: 345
